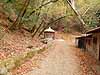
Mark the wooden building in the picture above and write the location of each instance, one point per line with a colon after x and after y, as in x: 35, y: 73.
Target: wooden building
x: 95, y: 42
x: 90, y: 42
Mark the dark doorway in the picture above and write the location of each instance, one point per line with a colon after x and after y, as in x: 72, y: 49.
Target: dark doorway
x: 81, y: 44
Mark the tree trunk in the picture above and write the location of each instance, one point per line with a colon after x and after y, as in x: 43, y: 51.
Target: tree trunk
x: 38, y: 29
x: 33, y: 29
x: 16, y: 24
x: 72, y: 3
x: 83, y: 25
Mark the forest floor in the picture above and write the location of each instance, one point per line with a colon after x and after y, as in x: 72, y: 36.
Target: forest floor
x: 61, y: 57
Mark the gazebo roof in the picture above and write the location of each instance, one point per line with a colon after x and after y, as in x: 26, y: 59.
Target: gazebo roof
x: 49, y: 30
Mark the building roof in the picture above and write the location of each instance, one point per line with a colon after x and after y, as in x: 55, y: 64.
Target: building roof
x: 49, y: 30
x: 83, y: 36
x: 95, y: 30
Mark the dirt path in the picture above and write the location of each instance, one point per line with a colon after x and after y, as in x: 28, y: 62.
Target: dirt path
x: 61, y: 60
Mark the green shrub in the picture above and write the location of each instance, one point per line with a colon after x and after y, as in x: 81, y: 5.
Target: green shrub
x: 30, y: 54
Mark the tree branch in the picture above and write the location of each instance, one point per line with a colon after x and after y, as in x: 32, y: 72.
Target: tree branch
x: 38, y: 28
x: 86, y: 11
x: 42, y: 6
x: 79, y: 17
x: 21, y: 14
x: 51, y: 23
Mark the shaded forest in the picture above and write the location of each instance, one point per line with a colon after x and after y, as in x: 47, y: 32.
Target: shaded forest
x: 37, y: 15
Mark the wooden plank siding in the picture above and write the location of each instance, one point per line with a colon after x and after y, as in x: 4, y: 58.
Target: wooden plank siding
x: 91, y: 42
x: 94, y: 49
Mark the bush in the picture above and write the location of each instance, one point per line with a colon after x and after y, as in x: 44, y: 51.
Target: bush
x: 30, y: 54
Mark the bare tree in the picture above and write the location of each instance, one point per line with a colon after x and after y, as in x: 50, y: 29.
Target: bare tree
x: 83, y: 25
x: 16, y: 24
x: 37, y: 29
x: 72, y: 3
x: 50, y: 23
x: 51, y: 1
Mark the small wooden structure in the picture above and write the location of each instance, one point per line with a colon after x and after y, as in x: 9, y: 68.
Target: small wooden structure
x: 95, y: 42
x: 90, y: 42
x: 49, y: 33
